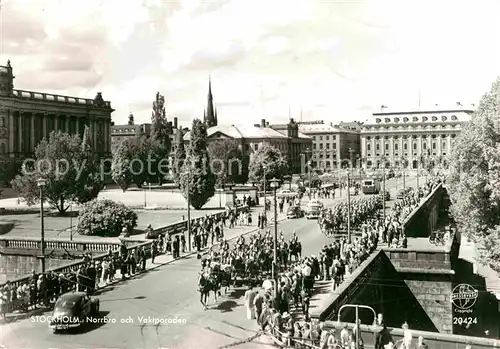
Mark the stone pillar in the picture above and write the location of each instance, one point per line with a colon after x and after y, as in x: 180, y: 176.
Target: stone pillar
x: 20, y: 132
x: 56, y: 122
x: 10, y: 124
x: 44, y: 126
x: 32, y: 133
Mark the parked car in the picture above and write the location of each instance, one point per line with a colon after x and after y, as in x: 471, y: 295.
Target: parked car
x: 72, y: 309
x: 294, y: 212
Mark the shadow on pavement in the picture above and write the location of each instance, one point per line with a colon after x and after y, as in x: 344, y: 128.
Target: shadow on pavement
x: 227, y: 306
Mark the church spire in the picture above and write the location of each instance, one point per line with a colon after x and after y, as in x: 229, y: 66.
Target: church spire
x: 210, y: 117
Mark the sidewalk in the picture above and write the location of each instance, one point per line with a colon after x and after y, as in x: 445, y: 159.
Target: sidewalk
x: 160, y: 260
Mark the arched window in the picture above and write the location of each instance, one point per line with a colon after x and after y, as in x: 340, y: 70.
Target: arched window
x: 453, y: 117
x: 2, y: 148
x: 378, y: 121
x: 368, y: 147
x: 415, y: 119
x: 396, y: 146
x: 425, y: 118
x: 434, y: 118
x: 405, y: 119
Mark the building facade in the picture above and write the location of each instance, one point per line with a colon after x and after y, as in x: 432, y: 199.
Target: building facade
x: 251, y: 138
x: 333, y: 148
x: 119, y: 133
x: 26, y: 117
x: 408, y: 139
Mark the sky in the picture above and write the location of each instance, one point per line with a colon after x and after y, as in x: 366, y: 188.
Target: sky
x: 308, y: 59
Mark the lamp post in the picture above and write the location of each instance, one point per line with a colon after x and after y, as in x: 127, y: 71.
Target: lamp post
x: 71, y: 222
x: 383, y: 194
x: 264, y: 167
x: 275, y: 184
x: 351, y: 151
x: 356, y: 325
x: 144, y: 185
x: 41, y: 184
x: 348, y: 208
x: 309, y: 165
x: 188, y: 174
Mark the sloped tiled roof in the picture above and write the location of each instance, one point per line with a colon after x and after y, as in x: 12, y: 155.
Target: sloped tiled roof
x: 322, y: 128
x: 238, y: 132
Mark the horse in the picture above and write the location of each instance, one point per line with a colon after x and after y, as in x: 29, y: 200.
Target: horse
x: 205, y: 285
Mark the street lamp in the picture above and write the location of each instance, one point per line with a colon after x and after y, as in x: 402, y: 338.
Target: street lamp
x: 309, y: 166
x: 383, y: 194
x: 188, y: 174
x: 275, y: 183
x: 348, y: 208
x: 144, y: 185
x: 41, y: 184
x: 264, y: 167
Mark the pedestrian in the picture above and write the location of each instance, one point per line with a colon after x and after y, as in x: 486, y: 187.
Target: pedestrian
x: 183, y: 243
x: 142, y: 258
x: 249, y: 303
x: 258, y: 304
x: 154, y: 250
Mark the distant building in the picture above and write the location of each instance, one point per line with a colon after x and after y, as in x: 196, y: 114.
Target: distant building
x: 406, y: 139
x: 119, y: 133
x: 351, y: 125
x: 290, y: 142
x: 333, y: 148
x: 210, y: 113
x: 26, y: 117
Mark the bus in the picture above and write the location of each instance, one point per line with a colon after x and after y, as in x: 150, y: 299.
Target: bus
x: 370, y: 186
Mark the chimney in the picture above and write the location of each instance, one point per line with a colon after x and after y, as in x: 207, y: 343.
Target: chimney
x: 459, y: 104
x: 263, y: 123
x: 175, y: 123
x: 112, y: 123
x: 267, y: 123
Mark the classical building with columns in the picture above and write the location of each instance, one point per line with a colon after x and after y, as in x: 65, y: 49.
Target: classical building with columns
x: 26, y: 117
x: 408, y: 139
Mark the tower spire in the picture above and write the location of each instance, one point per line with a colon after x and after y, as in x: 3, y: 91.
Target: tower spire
x: 210, y: 117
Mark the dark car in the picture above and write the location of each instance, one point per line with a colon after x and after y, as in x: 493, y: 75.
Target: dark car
x: 72, y: 309
x: 294, y: 212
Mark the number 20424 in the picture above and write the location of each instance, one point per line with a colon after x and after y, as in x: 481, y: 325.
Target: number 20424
x: 464, y: 320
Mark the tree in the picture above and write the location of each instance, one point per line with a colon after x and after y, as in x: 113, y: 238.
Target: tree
x: 199, y: 178
x: 130, y: 162
x: 179, y: 158
x: 68, y: 168
x: 272, y: 160
x: 90, y: 179
x: 229, y: 164
x: 474, y: 165
x: 105, y: 218
x: 160, y: 134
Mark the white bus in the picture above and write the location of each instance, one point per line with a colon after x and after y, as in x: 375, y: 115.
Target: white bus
x: 370, y: 186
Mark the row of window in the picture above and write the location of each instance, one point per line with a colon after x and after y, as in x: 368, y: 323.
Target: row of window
x: 369, y: 138
x: 123, y: 130
x: 416, y: 119
x: 327, y: 137
x: 428, y: 153
x: 405, y: 146
x: 326, y: 146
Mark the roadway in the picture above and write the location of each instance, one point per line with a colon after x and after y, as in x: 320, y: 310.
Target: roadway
x: 169, y: 293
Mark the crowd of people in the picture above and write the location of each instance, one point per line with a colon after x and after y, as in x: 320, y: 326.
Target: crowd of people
x: 43, y: 289
x: 334, y: 219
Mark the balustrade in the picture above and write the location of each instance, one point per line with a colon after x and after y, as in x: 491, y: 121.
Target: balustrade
x: 55, y: 98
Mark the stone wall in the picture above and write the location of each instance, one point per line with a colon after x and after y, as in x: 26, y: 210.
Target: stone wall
x: 422, y: 221
x: 12, y: 267
x: 433, y: 293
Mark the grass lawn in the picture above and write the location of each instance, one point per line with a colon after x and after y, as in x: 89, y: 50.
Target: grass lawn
x: 28, y: 225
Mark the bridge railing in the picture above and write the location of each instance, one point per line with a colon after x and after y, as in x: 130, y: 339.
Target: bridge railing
x: 94, y: 247
x: 413, y: 223
x: 432, y: 339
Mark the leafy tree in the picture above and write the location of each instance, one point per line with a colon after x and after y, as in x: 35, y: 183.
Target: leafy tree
x: 130, y: 162
x: 229, y: 164
x: 179, y: 158
x: 160, y: 134
x: 473, y: 182
x: 269, y: 160
x: 105, y: 218
x: 68, y: 167
x: 90, y: 178
x: 199, y: 178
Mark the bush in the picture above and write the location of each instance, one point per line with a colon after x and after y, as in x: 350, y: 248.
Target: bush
x: 105, y: 218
